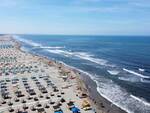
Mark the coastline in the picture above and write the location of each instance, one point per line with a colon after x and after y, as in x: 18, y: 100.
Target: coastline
x: 100, y: 101
x: 57, y: 94
x: 89, y: 86
x: 101, y: 104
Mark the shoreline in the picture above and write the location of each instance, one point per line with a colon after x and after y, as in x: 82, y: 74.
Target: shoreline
x: 97, y: 99
x: 102, y: 104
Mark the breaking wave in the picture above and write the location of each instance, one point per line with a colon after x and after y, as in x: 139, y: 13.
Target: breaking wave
x: 36, y: 45
x: 89, y: 57
x: 130, y: 79
x: 135, y: 73
x: 141, y: 100
x: 50, y: 47
x: 142, y: 70
x: 113, y: 72
x: 145, y: 80
x: 121, y: 98
x: 81, y: 55
x: 30, y: 42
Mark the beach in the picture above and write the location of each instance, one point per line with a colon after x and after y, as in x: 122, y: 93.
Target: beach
x: 31, y: 83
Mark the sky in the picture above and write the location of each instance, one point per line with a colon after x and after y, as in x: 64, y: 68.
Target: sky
x: 81, y: 17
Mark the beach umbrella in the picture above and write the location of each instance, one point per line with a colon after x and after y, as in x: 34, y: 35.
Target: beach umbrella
x: 10, y: 109
x: 75, y: 110
x: 46, y: 105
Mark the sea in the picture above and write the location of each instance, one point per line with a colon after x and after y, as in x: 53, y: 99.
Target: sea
x: 119, y: 65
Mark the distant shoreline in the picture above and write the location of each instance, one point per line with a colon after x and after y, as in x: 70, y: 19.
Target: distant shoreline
x: 82, y: 35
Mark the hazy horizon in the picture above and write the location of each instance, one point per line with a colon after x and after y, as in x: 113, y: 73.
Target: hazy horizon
x: 75, y: 17
x: 112, y: 35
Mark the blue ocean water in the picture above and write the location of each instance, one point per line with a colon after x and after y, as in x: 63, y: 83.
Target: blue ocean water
x: 120, y: 65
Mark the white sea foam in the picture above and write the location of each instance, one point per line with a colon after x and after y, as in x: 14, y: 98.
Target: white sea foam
x: 112, y: 101
x: 141, y: 100
x: 145, y: 81
x: 30, y: 42
x: 36, y: 45
x: 142, y: 70
x: 89, y: 57
x: 135, y: 73
x: 81, y: 55
x: 113, y: 72
x: 50, y: 47
x: 61, y: 52
x: 130, y: 79
x: 121, y: 98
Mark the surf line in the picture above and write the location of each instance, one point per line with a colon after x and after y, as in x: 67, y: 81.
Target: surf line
x: 137, y: 74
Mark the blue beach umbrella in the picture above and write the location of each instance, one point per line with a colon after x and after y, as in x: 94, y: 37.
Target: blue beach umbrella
x: 75, y: 110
